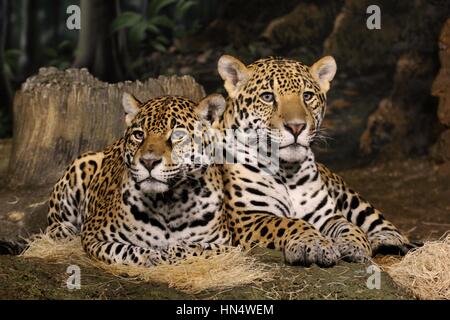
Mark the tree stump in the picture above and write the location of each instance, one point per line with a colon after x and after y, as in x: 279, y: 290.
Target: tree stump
x: 60, y: 114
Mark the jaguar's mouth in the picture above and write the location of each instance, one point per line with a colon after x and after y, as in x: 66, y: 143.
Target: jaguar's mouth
x: 293, y: 145
x: 152, y: 180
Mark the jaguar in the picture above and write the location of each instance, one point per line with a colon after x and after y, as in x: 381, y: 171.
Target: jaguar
x: 302, y: 208
x: 148, y: 198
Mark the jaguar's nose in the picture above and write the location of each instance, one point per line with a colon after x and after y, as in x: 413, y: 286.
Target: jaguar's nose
x: 149, y: 164
x: 295, y: 128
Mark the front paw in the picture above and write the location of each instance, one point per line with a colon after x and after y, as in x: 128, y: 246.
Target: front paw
x: 391, y: 243
x: 352, y: 250
x: 305, y: 252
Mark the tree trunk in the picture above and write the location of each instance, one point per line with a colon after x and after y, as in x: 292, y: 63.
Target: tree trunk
x: 60, y: 114
x: 97, y: 46
x: 28, y: 38
x: 5, y: 86
x: 122, y: 49
x: 57, y: 21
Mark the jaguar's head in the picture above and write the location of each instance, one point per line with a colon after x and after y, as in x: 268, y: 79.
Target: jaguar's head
x: 283, y: 96
x: 165, y: 138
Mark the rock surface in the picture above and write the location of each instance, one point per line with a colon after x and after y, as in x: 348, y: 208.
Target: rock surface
x: 404, y: 122
x: 441, y: 89
x: 308, y: 24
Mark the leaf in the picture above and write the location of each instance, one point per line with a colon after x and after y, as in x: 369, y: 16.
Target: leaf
x: 125, y: 20
x: 137, y: 63
x: 64, y: 65
x: 157, y: 5
x: 152, y: 27
x: 7, y: 71
x: 12, y: 54
x: 162, y: 21
x: 162, y: 39
x: 137, y: 32
x: 182, y: 8
x: 65, y: 44
x: 159, y: 46
x: 51, y: 53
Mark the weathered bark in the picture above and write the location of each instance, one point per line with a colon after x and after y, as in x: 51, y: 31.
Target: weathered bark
x: 97, y: 47
x: 60, y: 114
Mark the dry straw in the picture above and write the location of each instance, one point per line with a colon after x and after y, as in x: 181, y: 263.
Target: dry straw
x: 193, y: 275
x: 426, y: 270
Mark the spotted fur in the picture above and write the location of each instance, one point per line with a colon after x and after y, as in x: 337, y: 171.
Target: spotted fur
x: 302, y: 207
x: 133, y: 203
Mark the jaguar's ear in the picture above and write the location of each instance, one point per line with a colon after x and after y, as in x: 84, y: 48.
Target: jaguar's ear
x: 130, y: 106
x: 323, y: 72
x: 234, y: 73
x: 211, y: 107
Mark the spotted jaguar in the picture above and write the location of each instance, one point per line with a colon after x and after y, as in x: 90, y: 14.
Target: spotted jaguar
x: 144, y: 200
x: 302, y: 208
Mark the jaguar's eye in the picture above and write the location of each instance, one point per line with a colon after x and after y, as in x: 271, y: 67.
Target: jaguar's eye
x: 178, y: 136
x: 138, y: 135
x: 308, y: 95
x: 267, y: 97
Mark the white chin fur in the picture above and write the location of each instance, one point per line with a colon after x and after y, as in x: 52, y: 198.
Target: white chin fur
x: 153, y: 186
x: 294, y: 154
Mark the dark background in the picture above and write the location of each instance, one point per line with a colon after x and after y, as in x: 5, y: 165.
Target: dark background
x: 137, y: 39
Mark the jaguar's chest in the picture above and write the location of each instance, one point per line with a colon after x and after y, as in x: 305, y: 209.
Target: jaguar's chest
x: 308, y: 192
x: 289, y: 193
x: 187, y: 211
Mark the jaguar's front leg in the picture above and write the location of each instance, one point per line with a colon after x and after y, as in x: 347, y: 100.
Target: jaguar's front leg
x: 128, y: 254
x: 383, y: 236
x: 350, y: 240
x: 299, y: 241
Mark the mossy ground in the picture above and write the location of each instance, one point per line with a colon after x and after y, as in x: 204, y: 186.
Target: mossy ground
x: 25, y: 278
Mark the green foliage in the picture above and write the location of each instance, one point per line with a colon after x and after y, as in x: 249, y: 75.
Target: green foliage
x: 61, y: 56
x: 253, y: 51
x: 180, y: 11
x: 11, y: 63
x: 156, y: 6
x: 156, y: 28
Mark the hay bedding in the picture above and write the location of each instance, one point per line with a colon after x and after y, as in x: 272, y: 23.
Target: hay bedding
x: 193, y: 275
x: 425, y: 271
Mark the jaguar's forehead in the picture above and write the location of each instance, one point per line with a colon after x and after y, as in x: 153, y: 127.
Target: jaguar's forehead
x: 163, y: 114
x: 289, y: 75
